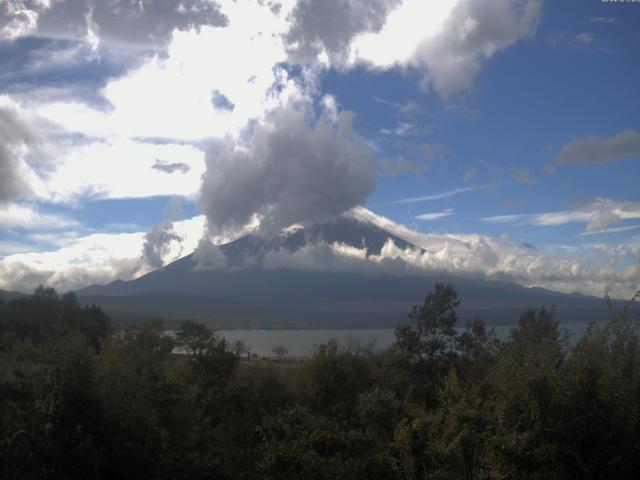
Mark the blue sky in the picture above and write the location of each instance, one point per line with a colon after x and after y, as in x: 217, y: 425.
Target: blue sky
x: 524, y: 106
x: 502, y: 123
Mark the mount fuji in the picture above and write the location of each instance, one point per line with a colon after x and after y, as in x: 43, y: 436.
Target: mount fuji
x: 297, y: 280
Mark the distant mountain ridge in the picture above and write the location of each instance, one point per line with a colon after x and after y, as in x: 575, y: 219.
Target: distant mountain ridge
x: 249, y: 296
x: 7, y: 296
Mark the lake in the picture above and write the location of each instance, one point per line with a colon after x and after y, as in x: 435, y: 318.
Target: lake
x: 300, y: 343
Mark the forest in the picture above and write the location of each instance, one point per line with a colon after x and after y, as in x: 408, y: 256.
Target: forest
x: 80, y: 400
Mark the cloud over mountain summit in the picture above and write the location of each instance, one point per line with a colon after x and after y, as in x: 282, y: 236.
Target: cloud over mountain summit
x: 294, y: 168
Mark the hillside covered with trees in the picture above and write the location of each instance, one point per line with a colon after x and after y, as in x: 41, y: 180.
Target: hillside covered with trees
x: 95, y: 403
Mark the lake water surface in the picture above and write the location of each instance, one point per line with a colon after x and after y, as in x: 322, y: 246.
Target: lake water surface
x: 300, y: 343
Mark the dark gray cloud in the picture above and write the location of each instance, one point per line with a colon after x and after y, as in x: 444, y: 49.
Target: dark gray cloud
x: 331, y: 25
x: 221, y: 102
x: 170, y: 167
x: 208, y: 256
x: 157, y: 244
x: 15, y: 135
x: 595, y: 149
x: 141, y: 23
x: 288, y: 172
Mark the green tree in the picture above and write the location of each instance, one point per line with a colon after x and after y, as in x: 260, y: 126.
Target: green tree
x: 534, y: 328
x: 600, y: 428
x: 45, y: 315
x: 336, y: 377
x: 253, y: 394
x: 428, y: 343
x: 143, y: 406
x: 525, y: 402
x: 299, y: 444
x: 211, y: 359
x: 431, y: 333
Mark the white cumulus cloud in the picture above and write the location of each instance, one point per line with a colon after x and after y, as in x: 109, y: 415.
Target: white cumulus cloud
x: 449, y: 41
x: 99, y: 258
x: 596, y: 214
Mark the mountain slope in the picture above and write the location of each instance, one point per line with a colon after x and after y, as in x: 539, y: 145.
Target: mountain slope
x: 7, y: 296
x: 247, y: 295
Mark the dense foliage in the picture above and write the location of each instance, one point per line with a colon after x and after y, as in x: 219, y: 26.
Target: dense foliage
x: 439, y: 404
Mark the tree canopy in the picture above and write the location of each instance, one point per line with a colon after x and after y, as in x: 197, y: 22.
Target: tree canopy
x: 443, y: 402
